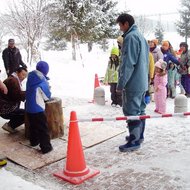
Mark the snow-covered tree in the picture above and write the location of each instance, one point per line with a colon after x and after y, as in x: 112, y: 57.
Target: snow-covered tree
x: 2, y: 33
x: 84, y: 21
x: 159, y: 32
x: 104, y: 44
x: 144, y: 24
x: 27, y: 20
x: 55, y: 44
x: 183, y: 25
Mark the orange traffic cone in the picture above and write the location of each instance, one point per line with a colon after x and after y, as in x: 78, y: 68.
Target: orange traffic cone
x: 96, y: 84
x: 96, y: 81
x: 75, y: 170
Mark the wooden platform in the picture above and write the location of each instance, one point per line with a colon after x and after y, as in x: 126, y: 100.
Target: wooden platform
x: 92, y: 134
x: 16, y: 148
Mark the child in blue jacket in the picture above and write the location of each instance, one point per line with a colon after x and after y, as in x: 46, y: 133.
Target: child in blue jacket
x: 37, y: 92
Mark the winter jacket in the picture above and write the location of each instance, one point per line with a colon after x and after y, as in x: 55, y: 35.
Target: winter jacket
x: 12, y: 59
x: 111, y: 75
x: 15, y: 93
x: 160, y: 82
x: 173, y: 77
x: 151, y: 66
x: 184, y: 63
x: 11, y: 101
x: 168, y: 57
x: 133, y: 73
x: 37, y: 92
x: 157, y: 54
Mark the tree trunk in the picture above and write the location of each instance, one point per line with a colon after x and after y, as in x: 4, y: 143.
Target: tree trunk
x: 73, y: 42
x: 90, y: 46
x: 54, y: 114
x: 104, y: 45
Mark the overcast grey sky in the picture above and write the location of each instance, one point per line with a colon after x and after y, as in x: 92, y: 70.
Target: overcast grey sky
x: 3, y: 5
x: 150, y: 7
x: 136, y: 7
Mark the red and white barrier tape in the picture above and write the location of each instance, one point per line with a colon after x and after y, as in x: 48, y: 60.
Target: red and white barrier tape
x: 135, y: 117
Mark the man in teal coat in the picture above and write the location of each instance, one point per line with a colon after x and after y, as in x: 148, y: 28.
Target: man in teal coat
x: 133, y: 79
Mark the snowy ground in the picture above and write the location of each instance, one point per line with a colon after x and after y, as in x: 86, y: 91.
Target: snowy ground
x: 161, y: 163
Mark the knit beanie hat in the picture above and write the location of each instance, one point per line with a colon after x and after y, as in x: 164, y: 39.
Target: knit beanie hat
x: 43, y: 67
x: 115, y: 51
x: 155, y: 41
x: 120, y: 39
x: 166, y: 44
x: 161, y: 64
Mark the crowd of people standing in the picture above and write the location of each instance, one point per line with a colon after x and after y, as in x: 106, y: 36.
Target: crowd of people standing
x: 144, y: 64
x: 177, y: 72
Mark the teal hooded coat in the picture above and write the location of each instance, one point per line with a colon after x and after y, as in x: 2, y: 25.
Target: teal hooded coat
x: 133, y: 72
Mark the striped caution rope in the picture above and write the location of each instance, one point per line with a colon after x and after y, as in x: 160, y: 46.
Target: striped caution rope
x: 100, y: 119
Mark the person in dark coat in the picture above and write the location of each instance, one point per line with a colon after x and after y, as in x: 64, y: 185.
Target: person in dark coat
x: 12, y: 58
x: 184, y: 68
x: 10, y: 102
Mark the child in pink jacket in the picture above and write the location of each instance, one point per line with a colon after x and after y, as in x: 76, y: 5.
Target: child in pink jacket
x: 160, y: 82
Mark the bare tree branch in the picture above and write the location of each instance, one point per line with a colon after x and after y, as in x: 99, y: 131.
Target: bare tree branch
x: 27, y: 20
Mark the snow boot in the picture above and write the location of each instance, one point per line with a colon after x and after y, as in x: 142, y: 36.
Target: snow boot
x: 133, y: 141
x: 47, y: 150
x: 8, y: 128
x: 140, y: 140
x: 129, y: 147
x: 143, y: 122
x: 142, y: 127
